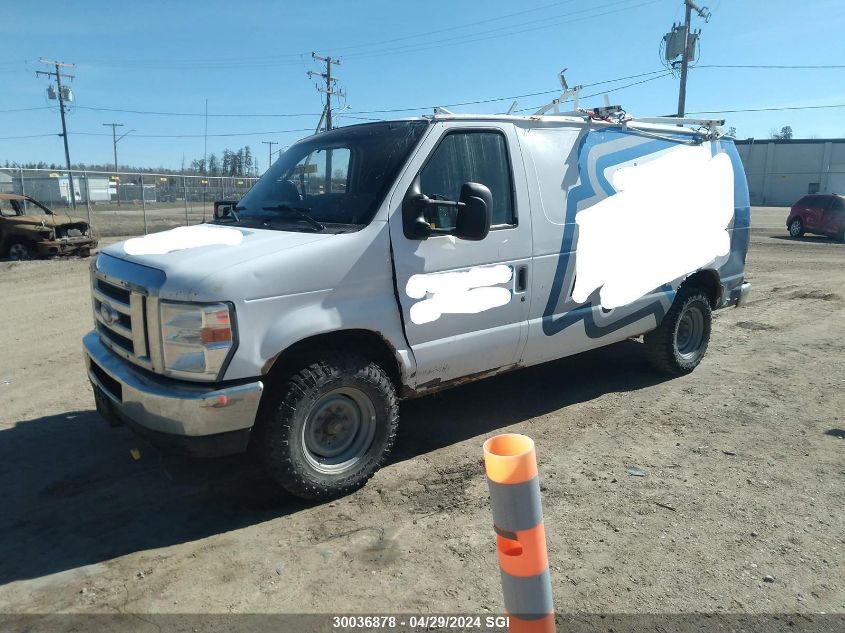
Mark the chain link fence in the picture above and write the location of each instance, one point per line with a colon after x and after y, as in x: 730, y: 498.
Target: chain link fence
x: 126, y: 203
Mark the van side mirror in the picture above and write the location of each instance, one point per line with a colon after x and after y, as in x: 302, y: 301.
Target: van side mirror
x: 473, y: 218
x: 223, y: 208
x: 476, y: 215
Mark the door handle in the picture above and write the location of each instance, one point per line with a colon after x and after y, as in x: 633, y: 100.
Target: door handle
x: 521, y: 282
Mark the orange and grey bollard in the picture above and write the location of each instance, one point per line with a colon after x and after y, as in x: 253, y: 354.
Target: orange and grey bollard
x: 511, y: 465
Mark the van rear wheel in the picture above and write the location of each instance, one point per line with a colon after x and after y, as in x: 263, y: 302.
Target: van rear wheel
x: 329, y: 427
x: 679, y: 343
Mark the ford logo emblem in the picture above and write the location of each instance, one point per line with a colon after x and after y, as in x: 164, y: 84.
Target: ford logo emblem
x: 108, y: 314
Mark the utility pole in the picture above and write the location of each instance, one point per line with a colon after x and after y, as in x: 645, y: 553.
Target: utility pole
x: 205, y: 142
x: 270, y: 159
x: 686, y: 46
x: 115, y: 139
x: 64, y: 94
x: 329, y: 90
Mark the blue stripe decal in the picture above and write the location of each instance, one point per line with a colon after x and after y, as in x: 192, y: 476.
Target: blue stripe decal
x: 597, y: 189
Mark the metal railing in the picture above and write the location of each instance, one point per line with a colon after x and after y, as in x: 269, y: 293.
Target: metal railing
x: 126, y: 203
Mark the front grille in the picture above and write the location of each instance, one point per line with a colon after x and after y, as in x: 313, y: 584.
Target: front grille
x: 120, y: 318
x: 118, y: 339
x: 114, y: 292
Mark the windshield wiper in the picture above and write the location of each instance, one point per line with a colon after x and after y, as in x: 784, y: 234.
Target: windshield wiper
x: 299, y: 212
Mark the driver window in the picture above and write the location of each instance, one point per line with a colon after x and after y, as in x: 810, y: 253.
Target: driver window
x: 469, y: 156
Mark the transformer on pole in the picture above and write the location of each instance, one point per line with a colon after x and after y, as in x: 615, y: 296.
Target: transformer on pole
x: 63, y: 94
x: 682, y: 42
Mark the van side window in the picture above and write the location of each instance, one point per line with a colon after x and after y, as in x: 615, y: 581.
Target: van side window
x: 469, y: 156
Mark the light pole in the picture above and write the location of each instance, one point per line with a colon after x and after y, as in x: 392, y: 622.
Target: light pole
x: 115, y: 138
x: 270, y: 149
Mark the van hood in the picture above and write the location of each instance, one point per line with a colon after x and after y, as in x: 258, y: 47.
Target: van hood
x: 197, y: 251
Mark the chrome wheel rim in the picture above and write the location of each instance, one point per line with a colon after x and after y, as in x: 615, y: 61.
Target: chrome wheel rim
x: 18, y: 251
x: 690, y: 332
x: 339, y: 430
x: 795, y: 228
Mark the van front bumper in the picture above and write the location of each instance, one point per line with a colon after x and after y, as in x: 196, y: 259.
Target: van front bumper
x: 191, y: 418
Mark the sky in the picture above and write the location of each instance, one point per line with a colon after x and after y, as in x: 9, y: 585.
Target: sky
x: 251, y: 58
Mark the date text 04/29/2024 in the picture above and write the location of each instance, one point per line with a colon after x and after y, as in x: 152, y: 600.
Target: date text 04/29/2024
x: 492, y: 623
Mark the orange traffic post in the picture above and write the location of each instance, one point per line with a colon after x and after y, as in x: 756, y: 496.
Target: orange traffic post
x: 511, y: 465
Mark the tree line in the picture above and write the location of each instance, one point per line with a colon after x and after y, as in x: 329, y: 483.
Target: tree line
x: 232, y: 163
x: 240, y: 162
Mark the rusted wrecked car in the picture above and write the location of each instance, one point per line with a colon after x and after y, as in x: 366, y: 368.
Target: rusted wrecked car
x: 29, y: 229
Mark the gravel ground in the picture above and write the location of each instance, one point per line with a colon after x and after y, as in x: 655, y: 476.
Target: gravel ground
x: 744, y: 462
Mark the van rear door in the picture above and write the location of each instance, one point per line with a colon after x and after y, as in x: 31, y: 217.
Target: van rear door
x: 464, y: 302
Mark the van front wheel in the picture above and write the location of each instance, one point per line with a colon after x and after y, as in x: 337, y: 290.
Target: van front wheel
x: 680, y: 341
x: 328, y: 428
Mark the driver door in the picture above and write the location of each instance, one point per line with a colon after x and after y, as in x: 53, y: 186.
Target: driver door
x: 465, y: 303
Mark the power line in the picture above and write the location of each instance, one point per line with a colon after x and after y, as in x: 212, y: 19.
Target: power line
x: 596, y: 94
x: 496, y: 33
x: 9, y: 138
x: 210, y: 115
x: 390, y: 110
x: 304, y: 129
x: 733, y: 111
x: 773, y: 66
x: 815, y: 107
x: 27, y: 109
x: 356, y: 112
x: 404, y: 109
x: 459, y: 26
x: 295, y: 58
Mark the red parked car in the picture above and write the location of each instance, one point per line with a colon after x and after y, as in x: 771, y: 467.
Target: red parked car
x: 820, y: 213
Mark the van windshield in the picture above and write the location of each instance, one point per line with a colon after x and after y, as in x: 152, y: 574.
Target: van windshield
x: 330, y: 180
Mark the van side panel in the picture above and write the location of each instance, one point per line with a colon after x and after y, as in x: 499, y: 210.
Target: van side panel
x: 573, y: 168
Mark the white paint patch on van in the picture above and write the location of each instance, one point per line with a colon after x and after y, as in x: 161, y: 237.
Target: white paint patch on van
x: 468, y: 292
x: 669, y: 218
x: 181, y: 238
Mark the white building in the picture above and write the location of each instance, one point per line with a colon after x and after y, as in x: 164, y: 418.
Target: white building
x: 779, y: 172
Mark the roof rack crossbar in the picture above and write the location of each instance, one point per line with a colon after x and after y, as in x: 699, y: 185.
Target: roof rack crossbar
x: 710, y: 124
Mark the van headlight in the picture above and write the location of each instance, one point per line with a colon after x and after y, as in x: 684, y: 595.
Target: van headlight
x: 197, y: 338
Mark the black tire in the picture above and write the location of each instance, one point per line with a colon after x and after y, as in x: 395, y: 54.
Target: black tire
x: 796, y: 228
x: 680, y: 341
x: 315, y: 412
x: 19, y: 250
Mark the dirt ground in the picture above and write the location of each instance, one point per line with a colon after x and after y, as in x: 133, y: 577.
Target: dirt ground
x: 745, y: 466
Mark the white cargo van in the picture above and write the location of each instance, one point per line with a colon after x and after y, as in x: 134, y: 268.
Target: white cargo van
x: 389, y: 260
